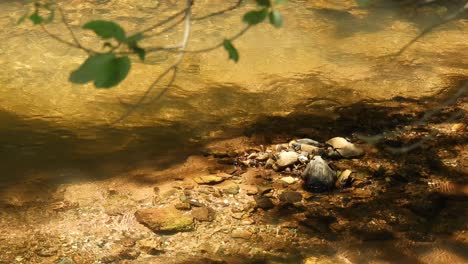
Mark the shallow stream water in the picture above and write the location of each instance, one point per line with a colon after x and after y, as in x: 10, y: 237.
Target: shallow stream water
x: 329, y: 54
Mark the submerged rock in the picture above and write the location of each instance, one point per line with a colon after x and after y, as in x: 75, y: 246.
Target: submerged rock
x: 209, y: 179
x: 345, y: 148
x: 318, y: 176
x: 164, y: 220
x: 290, y: 197
x: 264, y: 202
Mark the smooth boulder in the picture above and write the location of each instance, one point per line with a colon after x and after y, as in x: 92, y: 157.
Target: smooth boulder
x: 164, y: 220
x: 345, y: 148
x: 318, y: 176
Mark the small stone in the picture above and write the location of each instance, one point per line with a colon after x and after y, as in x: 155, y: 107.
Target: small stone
x: 127, y: 242
x: 262, y: 189
x: 252, y: 156
x: 150, y: 246
x: 231, y: 189
x: 238, y: 215
x: 308, y: 141
x: 129, y: 254
x: 248, y: 221
x: 344, y: 179
x: 224, y: 175
x: 287, y: 158
x: 209, y: 179
x: 249, y: 189
x: 303, y: 159
x: 164, y: 220
x: 182, y: 206
x: 345, y: 148
x: 203, y: 214
x: 289, y: 180
x: 312, y: 150
x: 241, y: 233
x: 264, y: 202
x: 290, y: 197
x: 269, y: 163
x: 263, y: 157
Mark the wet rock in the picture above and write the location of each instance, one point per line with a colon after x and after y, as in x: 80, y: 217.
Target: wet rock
x: 303, y: 158
x: 308, y: 141
x: 344, y: 179
x: 129, y: 254
x: 289, y: 180
x: 318, y: 176
x: 264, y: 202
x: 196, y: 203
x: 263, y: 156
x: 252, y: 156
x: 127, y: 242
x: 269, y: 164
x: 249, y: 189
x: 224, y: 175
x: 287, y: 158
x: 241, y: 233
x: 209, y: 179
x: 231, y: 189
x: 262, y: 189
x: 312, y: 150
x: 150, y: 246
x: 345, y: 148
x: 164, y: 220
x: 290, y: 197
x: 64, y: 260
x: 46, y: 251
x: 203, y: 214
x: 182, y: 206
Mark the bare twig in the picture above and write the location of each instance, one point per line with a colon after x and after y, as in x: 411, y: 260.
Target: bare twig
x: 217, y: 46
x: 447, y: 19
x: 422, y: 121
x: 67, y: 25
x: 172, y: 68
x: 233, y: 7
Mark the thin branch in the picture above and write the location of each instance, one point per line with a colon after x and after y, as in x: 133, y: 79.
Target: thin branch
x: 166, y: 29
x: 233, y: 7
x: 172, y: 68
x: 447, y: 19
x: 422, y: 121
x: 165, y: 21
x: 67, y: 25
x: 71, y: 44
x: 217, y: 46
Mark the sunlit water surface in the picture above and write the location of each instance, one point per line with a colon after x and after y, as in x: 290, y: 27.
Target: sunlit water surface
x: 323, y: 52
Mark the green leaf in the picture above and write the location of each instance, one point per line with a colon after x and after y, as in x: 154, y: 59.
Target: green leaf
x: 132, y: 43
x: 265, y: 3
x: 363, y: 2
x: 232, y: 51
x: 106, y: 29
x: 140, y: 52
x: 279, y: 2
x: 22, y: 19
x: 276, y: 19
x: 106, y: 70
x: 36, y: 18
x: 134, y: 38
x: 255, y: 17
